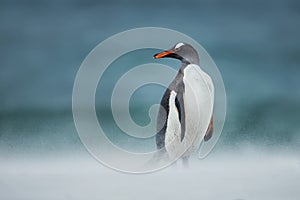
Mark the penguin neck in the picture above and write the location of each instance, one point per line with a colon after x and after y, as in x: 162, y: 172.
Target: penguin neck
x: 180, y: 73
x: 184, y: 64
x: 192, y: 60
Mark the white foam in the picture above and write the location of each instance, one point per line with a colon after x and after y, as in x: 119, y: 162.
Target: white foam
x: 226, y: 176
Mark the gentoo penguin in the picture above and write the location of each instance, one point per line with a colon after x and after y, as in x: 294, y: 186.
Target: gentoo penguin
x: 176, y: 111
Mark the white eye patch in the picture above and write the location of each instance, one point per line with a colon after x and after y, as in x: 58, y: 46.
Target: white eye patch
x: 179, y: 45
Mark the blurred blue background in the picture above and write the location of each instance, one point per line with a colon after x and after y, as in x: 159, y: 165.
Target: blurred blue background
x: 255, y: 44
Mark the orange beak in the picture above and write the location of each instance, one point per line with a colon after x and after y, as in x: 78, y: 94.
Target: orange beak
x: 163, y: 54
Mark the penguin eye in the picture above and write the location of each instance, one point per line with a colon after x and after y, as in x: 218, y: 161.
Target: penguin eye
x: 177, y: 48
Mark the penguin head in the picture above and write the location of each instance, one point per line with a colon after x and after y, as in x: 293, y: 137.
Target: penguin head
x: 181, y: 51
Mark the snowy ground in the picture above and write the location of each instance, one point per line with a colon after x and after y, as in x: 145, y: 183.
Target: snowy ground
x: 226, y: 176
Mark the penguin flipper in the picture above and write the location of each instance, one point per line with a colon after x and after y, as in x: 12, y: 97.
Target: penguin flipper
x: 181, y: 114
x: 210, y: 129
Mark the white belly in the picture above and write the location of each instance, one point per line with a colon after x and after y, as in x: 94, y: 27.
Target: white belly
x: 198, y: 102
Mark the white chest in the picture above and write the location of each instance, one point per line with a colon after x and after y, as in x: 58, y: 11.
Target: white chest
x: 198, y: 99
